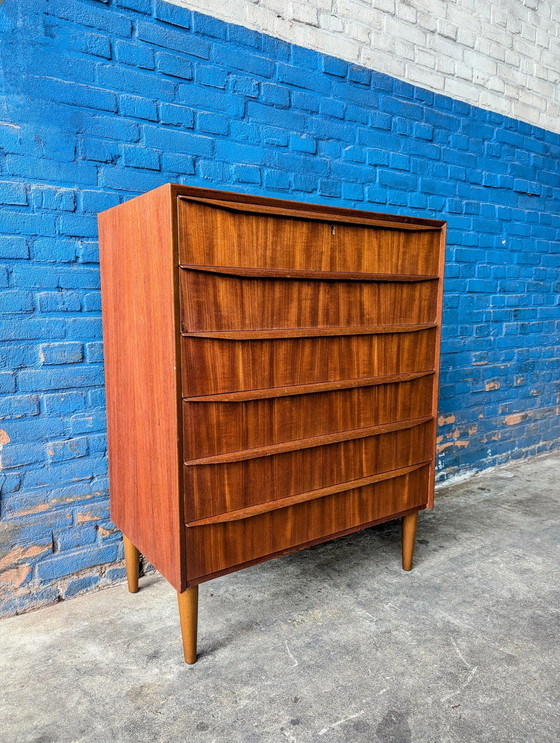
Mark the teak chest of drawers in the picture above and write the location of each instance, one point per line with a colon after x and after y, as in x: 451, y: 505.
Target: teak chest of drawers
x: 271, y: 373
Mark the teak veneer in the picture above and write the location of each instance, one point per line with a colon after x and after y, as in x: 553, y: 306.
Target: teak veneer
x: 271, y: 373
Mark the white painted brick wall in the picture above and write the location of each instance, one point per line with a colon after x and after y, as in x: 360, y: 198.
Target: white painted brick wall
x: 502, y: 55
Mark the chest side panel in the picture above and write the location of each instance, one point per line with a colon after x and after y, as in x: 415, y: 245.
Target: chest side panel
x: 141, y: 337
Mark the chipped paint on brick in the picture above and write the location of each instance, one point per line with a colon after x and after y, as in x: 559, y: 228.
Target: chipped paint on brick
x: 444, y: 420
x: 82, y: 518
x: 515, y: 418
x: 457, y: 444
x: 15, y: 576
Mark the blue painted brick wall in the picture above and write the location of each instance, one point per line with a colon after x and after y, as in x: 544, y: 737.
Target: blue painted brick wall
x: 105, y: 100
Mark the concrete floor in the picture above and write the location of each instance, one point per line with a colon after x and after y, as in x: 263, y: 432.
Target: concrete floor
x: 335, y: 643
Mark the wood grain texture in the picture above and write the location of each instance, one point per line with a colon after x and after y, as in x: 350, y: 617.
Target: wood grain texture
x: 308, y: 495
x: 218, y: 488
x: 216, y: 365
x: 212, y: 428
x: 217, y: 548
x: 211, y: 236
x: 214, y: 302
x: 306, y: 389
x: 139, y: 286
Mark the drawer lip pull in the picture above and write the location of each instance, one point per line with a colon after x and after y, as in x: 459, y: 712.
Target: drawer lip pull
x: 309, y: 389
x: 292, y: 500
x: 249, y: 335
x: 310, y: 442
x: 302, y: 274
x: 310, y: 212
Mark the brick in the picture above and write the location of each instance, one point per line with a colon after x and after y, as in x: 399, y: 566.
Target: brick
x: 209, y: 99
x: 69, y: 449
x: 170, y: 113
x: 177, y: 163
x: 61, y: 353
x: 134, y: 54
x: 172, y: 14
x: 86, y: 14
x: 15, y: 302
x: 13, y: 193
x: 134, y: 81
x: 97, y: 201
x: 213, y: 124
x: 55, y: 199
x: 73, y: 94
x: 174, y: 65
x: 140, y: 157
x: 214, y: 77
x: 17, y: 406
x: 241, y: 60
x: 57, y: 379
x: 173, y: 39
x: 59, y: 301
x: 315, y: 81
x: 71, y: 562
x: 177, y: 141
x: 138, y: 107
x: 246, y: 173
x: 19, y: 455
x: 275, y: 95
x: 66, y: 402
x: 14, y: 247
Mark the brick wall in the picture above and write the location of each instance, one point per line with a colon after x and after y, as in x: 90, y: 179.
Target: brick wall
x: 106, y: 100
x: 503, y: 56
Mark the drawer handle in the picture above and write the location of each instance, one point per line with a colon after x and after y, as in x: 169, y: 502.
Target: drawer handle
x: 299, y: 274
x: 308, y: 389
x: 250, y: 335
x: 303, y: 211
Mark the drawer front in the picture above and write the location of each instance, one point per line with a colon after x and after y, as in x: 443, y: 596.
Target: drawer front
x: 217, y: 488
x: 216, y: 365
x: 225, y: 546
x: 210, y: 235
x: 211, y: 301
x: 213, y: 427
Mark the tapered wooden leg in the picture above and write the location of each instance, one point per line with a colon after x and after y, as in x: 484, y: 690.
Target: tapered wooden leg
x: 132, y: 562
x: 188, y: 614
x: 408, y: 534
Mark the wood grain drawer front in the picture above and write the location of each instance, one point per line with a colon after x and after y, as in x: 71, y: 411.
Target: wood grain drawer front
x: 216, y: 488
x: 214, y: 427
x: 212, y: 301
x: 217, y: 548
x: 215, y: 365
x: 226, y: 236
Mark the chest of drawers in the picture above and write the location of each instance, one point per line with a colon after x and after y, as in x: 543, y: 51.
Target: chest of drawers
x: 271, y: 375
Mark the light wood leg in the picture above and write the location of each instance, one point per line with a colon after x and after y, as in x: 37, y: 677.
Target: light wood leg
x: 132, y: 562
x: 408, y: 534
x: 188, y: 615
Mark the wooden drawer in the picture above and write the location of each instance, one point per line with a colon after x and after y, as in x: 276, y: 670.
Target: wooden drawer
x: 221, y: 547
x: 218, y: 426
x: 214, y: 301
x: 234, y: 362
x: 230, y: 234
x: 235, y: 481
